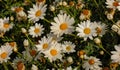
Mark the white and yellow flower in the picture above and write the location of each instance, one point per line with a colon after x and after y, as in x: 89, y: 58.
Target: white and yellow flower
x: 68, y: 47
x: 101, y: 28
x: 115, y: 57
x: 62, y: 25
x: 115, y: 4
x: 92, y: 63
x: 36, y: 30
x: 85, y: 15
x: 37, y: 12
x: 86, y: 30
x: 44, y: 44
x: 5, y: 52
x: 6, y: 25
x: 54, y: 52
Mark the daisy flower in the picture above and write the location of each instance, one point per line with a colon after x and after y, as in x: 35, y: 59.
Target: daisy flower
x: 62, y: 25
x: 68, y: 47
x: 5, y: 52
x: 44, y: 44
x: 54, y: 52
x: 36, y: 30
x: 85, y: 14
x: 92, y: 63
x: 116, y: 54
x: 115, y: 4
x: 37, y: 12
x: 100, y: 28
x: 6, y: 26
x: 54, y: 37
x: 86, y: 29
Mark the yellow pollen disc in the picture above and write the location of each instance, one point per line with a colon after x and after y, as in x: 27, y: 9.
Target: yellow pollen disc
x: 115, y: 3
x: 63, y: 26
x: 3, y: 55
x: 45, y: 46
x: 85, y: 12
x: 87, y: 30
x: 6, y: 25
x: 99, y: 30
x: 18, y: 9
x: 37, y: 30
x: 68, y: 48
x: 38, y: 13
x: 12, y: 44
x: 91, y: 61
x: 53, y: 52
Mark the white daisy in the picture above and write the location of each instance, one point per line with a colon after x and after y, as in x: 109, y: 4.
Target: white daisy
x: 100, y: 28
x: 54, y: 37
x: 85, y: 15
x: 37, y: 12
x: 6, y: 25
x: 54, y: 52
x: 86, y: 29
x: 116, y: 54
x: 5, y: 52
x: 44, y: 44
x: 68, y: 47
x: 92, y: 63
x: 115, y: 4
x: 36, y: 30
x: 62, y: 25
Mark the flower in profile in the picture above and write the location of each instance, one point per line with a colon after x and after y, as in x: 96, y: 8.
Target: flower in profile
x: 44, y: 44
x: 68, y: 47
x: 92, y: 63
x: 100, y: 28
x: 54, y: 52
x: 110, y: 13
x: 85, y: 15
x: 62, y: 25
x: 115, y: 57
x: 6, y: 25
x: 86, y: 30
x: 5, y: 52
x: 115, y: 4
x: 34, y: 67
x: 37, y: 12
x: 36, y: 30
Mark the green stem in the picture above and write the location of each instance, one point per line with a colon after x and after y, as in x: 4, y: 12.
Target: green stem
x: 104, y: 49
x: 29, y: 40
x: 96, y: 3
x: 5, y: 67
x: 46, y: 20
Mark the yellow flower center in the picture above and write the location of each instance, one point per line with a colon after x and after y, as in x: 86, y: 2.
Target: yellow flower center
x: 45, y: 46
x: 33, y: 52
x: 63, y: 26
x: 87, y: 30
x: 12, y: 44
x: 85, y: 12
x: 116, y: 3
x: 6, y: 25
x: 3, y: 55
x: 91, y: 61
x: 53, y: 52
x: 68, y: 48
x: 99, y: 30
x: 38, y: 13
x: 18, y: 9
x: 37, y: 30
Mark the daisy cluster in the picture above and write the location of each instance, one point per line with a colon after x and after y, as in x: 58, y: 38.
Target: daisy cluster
x: 60, y: 35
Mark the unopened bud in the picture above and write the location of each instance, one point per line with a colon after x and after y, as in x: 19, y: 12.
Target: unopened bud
x: 25, y: 42
x: 52, y: 8
x: 97, y: 40
x: 70, y: 59
x: 24, y: 30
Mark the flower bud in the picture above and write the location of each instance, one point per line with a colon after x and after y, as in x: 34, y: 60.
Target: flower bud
x: 64, y: 3
x: 25, y: 42
x: 97, y: 40
x: 70, y: 59
x: 34, y: 67
x: 24, y: 30
x: 101, y: 52
x: 115, y: 28
x: 52, y: 8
